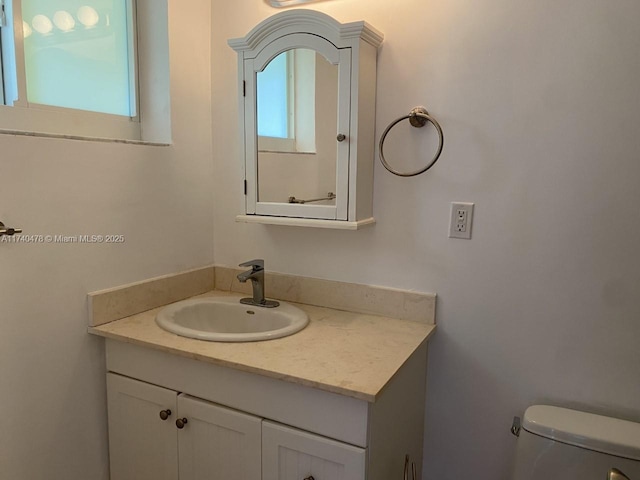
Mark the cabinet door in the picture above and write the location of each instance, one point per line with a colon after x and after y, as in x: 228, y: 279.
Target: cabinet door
x: 217, y: 443
x: 322, y: 113
x: 142, y: 446
x: 290, y: 454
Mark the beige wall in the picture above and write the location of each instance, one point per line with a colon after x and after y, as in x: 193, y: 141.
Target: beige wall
x: 52, y: 384
x: 539, y: 103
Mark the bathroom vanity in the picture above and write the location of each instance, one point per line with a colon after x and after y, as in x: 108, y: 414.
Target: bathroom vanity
x: 342, y: 399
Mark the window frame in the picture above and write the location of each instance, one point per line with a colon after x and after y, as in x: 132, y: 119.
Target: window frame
x: 2, y: 23
x: 25, y: 116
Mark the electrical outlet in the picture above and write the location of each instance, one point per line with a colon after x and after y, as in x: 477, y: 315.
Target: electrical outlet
x: 461, y: 220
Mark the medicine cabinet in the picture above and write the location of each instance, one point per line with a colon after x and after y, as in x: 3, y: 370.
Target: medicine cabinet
x: 307, y: 86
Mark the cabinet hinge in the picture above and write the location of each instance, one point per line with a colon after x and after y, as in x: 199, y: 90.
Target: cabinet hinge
x: 245, y: 187
x: 244, y: 88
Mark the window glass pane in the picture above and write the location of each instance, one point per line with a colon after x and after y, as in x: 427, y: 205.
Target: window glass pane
x: 273, y: 93
x: 77, y: 54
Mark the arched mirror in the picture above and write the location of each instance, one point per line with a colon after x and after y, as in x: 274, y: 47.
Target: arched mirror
x: 297, y: 126
x: 302, y: 132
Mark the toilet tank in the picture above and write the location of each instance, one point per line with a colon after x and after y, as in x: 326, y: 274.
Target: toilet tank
x: 561, y: 444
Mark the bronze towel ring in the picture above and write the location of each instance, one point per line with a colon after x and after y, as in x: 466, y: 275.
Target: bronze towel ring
x: 418, y: 117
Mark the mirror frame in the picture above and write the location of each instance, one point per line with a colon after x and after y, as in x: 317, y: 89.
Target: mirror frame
x: 339, y: 57
x: 353, y: 47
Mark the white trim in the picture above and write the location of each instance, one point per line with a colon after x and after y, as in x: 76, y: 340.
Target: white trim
x: 7, y: 40
x: 291, y: 42
x: 154, y: 92
x: 343, y: 149
x: 291, y: 95
x: 2, y: 101
x: 250, y: 140
x: 82, y: 138
x: 66, y: 121
x: 308, y: 21
x: 306, y: 222
x: 276, y: 144
x: 307, y: 210
x: 132, y: 57
x: 335, y: 56
x: 3, y: 26
x: 18, y: 48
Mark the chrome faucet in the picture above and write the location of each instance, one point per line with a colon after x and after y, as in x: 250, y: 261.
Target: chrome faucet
x: 256, y: 275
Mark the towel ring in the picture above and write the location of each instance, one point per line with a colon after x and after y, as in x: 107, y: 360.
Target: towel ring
x: 418, y: 117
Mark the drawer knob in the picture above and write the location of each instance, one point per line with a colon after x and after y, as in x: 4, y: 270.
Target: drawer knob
x: 164, y: 414
x: 310, y: 477
x: 181, y: 422
x: 615, y: 474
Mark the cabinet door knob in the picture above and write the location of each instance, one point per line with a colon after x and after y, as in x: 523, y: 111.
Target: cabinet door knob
x: 615, y: 474
x: 181, y: 422
x: 341, y: 138
x: 164, y: 414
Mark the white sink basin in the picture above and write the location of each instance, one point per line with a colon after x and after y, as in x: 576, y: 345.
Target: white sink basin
x: 225, y: 319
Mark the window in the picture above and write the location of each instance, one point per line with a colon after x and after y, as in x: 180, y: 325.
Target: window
x: 275, y: 98
x: 286, y: 103
x: 71, y: 66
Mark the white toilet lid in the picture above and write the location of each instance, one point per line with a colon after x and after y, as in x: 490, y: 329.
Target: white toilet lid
x: 594, y: 432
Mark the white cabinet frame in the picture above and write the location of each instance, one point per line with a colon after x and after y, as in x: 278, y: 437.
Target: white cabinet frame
x: 353, y: 47
x: 335, y: 56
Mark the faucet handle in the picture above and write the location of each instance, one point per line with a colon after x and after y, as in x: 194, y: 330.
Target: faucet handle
x: 256, y: 265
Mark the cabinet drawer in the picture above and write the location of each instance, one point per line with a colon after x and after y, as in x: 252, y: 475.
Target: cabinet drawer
x: 289, y: 454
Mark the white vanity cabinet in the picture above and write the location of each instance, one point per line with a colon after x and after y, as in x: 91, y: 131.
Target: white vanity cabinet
x: 249, y: 426
x: 159, y: 434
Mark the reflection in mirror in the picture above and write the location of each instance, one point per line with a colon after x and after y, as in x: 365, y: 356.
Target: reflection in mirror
x: 297, y: 124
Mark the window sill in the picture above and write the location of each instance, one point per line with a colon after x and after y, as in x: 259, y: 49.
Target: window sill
x: 82, y: 138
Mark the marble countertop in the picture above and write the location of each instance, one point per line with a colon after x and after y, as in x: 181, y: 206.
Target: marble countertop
x: 351, y: 354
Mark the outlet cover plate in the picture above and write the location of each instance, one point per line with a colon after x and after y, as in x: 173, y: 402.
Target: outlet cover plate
x: 461, y: 220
